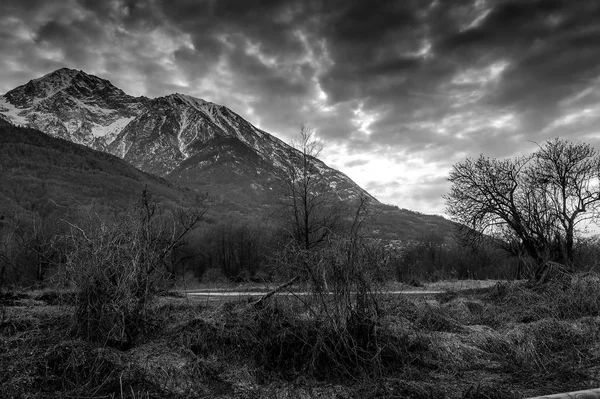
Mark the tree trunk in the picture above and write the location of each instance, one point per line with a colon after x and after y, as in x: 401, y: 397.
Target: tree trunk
x: 569, y: 250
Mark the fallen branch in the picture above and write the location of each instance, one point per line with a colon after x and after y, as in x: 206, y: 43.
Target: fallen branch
x: 259, y: 302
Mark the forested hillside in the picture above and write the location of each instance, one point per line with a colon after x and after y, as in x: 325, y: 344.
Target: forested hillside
x: 43, y: 176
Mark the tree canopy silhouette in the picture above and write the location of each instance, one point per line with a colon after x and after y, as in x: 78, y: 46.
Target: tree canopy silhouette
x: 539, y: 201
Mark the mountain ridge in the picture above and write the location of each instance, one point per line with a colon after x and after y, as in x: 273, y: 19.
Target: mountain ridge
x: 155, y: 135
x: 188, y: 141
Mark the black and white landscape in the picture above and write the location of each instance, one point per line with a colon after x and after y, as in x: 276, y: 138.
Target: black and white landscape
x: 298, y: 199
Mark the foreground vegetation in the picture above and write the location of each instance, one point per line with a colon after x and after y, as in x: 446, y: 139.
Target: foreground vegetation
x: 105, y: 325
x: 506, y: 341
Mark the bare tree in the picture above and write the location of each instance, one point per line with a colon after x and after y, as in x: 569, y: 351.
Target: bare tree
x: 310, y: 209
x: 567, y: 176
x: 537, y: 200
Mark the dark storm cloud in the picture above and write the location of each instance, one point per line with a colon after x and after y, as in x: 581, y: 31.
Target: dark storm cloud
x: 76, y: 39
x: 257, y: 21
x: 368, y: 42
x: 553, y: 47
x: 412, y: 85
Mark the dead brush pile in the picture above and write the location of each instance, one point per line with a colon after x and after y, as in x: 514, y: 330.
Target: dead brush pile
x: 551, y: 345
x: 552, y: 329
x: 542, y: 336
x: 40, y: 358
x: 282, y: 338
x: 532, y: 337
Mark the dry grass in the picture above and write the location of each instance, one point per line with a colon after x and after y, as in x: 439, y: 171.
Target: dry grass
x: 39, y: 358
x: 511, y: 341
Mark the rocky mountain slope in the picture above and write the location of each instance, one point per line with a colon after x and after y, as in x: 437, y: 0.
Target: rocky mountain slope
x: 182, y: 138
x: 187, y: 141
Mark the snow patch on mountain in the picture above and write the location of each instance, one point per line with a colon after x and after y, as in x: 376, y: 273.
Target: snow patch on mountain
x: 94, y: 108
x: 12, y: 113
x: 112, y: 128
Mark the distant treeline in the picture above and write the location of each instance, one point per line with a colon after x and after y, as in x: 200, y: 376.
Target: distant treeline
x: 246, y: 249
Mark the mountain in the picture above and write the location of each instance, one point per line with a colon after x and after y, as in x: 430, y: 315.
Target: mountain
x: 72, y: 105
x: 184, y: 139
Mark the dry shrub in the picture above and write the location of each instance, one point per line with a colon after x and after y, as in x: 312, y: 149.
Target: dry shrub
x: 119, y: 266
x: 340, y: 328
x: 350, y: 316
x: 115, y: 278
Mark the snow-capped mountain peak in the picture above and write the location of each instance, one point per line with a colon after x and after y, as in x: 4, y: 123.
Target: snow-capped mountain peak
x: 73, y: 105
x: 176, y: 136
x: 67, y: 81
x: 55, y: 81
x: 40, y: 89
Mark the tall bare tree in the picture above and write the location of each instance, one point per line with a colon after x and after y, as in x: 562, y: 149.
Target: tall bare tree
x: 538, y: 200
x: 566, y: 175
x: 311, y: 210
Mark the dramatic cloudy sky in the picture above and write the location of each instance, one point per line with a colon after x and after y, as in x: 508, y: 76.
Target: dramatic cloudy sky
x: 397, y: 90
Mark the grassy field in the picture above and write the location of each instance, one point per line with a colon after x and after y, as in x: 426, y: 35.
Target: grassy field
x: 477, y: 340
